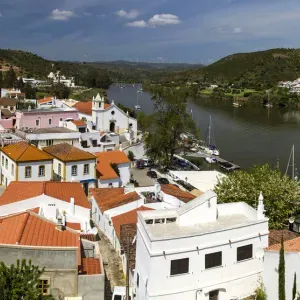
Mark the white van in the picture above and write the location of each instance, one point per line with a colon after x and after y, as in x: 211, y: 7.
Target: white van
x: 120, y: 293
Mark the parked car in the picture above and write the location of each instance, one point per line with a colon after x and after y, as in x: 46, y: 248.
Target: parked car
x: 182, y: 164
x: 152, y: 174
x: 163, y: 181
x: 140, y: 164
x: 148, y: 162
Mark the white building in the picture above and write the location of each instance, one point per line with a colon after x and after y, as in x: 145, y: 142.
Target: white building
x: 52, y: 200
x: 202, y: 250
x: 292, y: 266
x: 71, y: 164
x: 107, y: 176
x: 24, y: 162
x: 44, y: 137
x: 107, y: 117
x: 57, y: 78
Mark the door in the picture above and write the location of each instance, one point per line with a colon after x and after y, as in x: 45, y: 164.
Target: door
x: 6, y: 182
x: 112, y: 127
x: 214, y: 295
x: 86, y: 188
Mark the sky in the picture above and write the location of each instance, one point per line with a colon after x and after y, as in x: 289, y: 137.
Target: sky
x: 196, y: 31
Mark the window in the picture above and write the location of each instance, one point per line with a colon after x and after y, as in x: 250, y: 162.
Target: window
x: 86, y: 169
x: 6, y: 163
x: 12, y: 169
x: 27, y: 172
x: 11, y: 108
x: 213, y: 260
x: 49, y: 142
x: 59, y: 169
x: 112, y: 112
x: 74, y: 170
x: 44, y: 286
x: 99, y: 218
x: 41, y: 171
x: 2, y: 160
x: 179, y: 266
x: 137, y: 279
x: 50, y: 121
x: 37, y: 122
x: 60, y: 119
x: 244, y: 252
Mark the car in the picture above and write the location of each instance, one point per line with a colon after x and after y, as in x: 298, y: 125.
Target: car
x: 152, y: 174
x: 148, y: 162
x: 163, y: 181
x: 140, y: 164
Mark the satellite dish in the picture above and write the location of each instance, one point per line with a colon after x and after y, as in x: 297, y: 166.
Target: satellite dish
x: 157, y: 187
x: 260, y: 253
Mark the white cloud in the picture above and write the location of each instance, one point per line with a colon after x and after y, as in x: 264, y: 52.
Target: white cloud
x: 61, y: 15
x: 140, y: 24
x: 1, y: 15
x: 164, y: 19
x: 237, y: 30
x: 132, y: 14
x: 86, y: 14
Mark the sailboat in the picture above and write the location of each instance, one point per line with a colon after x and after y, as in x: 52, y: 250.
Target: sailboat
x: 294, y: 170
x: 137, y: 106
x: 210, y: 140
x: 269, y: 105
x: 236, y: 103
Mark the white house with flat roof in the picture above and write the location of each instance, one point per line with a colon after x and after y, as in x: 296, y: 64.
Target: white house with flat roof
x: 200, y: 251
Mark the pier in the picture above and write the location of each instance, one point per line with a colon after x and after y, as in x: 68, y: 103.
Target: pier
x: 203, y: 154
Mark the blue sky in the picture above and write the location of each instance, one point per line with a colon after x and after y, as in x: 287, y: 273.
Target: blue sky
x: 148, y: 30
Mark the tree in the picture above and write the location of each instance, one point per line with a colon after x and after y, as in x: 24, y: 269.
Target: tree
x: 294, y: 287
x: 280, y: 192
x: 260, y: 292
x: 97, y: 79
x: 130, y: 156
x: 10, y: 78
x: 21, y: 281
x: 169, y: 120
x: 30, y: 92
x: 60, y: 90
x: 281, y: 273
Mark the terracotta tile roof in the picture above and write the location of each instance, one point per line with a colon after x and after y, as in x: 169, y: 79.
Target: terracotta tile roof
x: 91, y: 266
x: 75, y: 226
x: 32, y: 230
x: 6, y: 113
x: 66, y: 152
x: 21, y: 152
x: 105, y: 171
x: 275, y: 236
x: 109, y: 198
x: 79, y: 123
x: 129, y: 217
x: 45, y: 100
x: 22, y: 190
x: 128, y: 231
x: 289, y: 246
x: 86, y: 107
x: 8, y: 101
x: 173, y: 190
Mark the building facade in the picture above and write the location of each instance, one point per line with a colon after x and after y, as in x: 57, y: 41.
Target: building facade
x: 202, y: 250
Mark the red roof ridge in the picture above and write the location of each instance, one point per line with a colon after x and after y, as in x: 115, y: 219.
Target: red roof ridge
x: 23, y: 227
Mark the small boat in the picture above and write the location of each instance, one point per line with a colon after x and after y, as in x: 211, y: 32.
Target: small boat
x: 210, y: 141
x: 236, y: 104
x: 137, y: 106
x: 211, y: 160
x: 269, y: 105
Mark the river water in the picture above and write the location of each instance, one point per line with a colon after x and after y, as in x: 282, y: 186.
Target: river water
x: 246, y: 135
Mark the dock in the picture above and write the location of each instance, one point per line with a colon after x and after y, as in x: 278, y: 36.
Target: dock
x: 203, y: 154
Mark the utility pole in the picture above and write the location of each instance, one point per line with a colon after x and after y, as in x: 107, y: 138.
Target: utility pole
x: 127, y: 268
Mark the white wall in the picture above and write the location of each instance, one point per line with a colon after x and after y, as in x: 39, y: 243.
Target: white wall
x: 236, y: 279
x: 270, y: 276
x: 124, y: 173
x: 7, y: 173
x: 80, y: 167
x: 106, y: 183
x: 35, y: 171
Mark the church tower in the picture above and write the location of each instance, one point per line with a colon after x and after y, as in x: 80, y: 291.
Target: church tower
x: 98, y: 111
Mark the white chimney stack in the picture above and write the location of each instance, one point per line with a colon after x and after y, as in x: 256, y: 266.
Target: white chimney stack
x: 260, y: 207
x: 72, y: 206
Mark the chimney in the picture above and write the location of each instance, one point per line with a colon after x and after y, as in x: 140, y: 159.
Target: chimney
x: 60, y: 225
x: 260, y: 207
x: 129, y: 188
x: 29, y: 108
x: 72, y: 206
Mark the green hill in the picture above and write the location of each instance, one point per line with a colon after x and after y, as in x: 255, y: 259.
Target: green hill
x: 257, y: 70
x: 31, y: 65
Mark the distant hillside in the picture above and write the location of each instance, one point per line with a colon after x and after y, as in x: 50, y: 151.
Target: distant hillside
x: 32, y: 65
x: 257, y: 69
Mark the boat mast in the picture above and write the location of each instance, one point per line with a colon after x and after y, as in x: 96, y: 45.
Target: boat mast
x: 209, y: 131
x: 292, y: 157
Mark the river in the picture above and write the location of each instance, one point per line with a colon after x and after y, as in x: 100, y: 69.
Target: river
x: 246, y: 135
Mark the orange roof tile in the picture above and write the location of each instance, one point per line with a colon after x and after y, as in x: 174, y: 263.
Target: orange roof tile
x: 86, y: 107
x: 21, y: 152
x: 109, y: 198
x: 91, y: 266
x: 66, y: 152
x: 105, y: 171
x: 75, y: 226
x: 30, y: 229
x: 79, y: 123
x: 22, y: 190
x: 45, y: 100
x: 289, y: 246
x: 173, y: 190
x: 126, y: 218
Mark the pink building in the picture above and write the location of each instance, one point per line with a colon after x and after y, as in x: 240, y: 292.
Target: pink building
x: 44, y: 118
